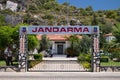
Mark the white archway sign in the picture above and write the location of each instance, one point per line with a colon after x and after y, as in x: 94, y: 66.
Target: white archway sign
x: 93, y: 30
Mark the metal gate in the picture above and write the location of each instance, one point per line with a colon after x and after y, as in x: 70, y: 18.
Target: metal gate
x: 57, y: 66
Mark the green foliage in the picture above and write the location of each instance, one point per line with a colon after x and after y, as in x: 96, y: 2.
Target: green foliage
x: 44, y: 43
x: 103, y: 42
x: 2, y: 63
x: 89, y: 8
x: 107, y: 27
x: 50, y: 5
x: 72, y: 39
x: 94, y: 20
x: 32, y: 42
x: 15, y: 35
x: 45, y: 1
x: 48, y: 16
x: 38, y: 56
x: 86, y: 65
x: 73, y: 22
x: 111, y: 14
x: 32, y: 63
x: 85, y: 60
x: 27, y: 18
x: 71, y: 52
x: 84, y: 44
x: 110, y: 63
x: 33, y: 8
x: 66, y: 4
x: 79, y: 45
x: 10, y: 35
x: 104, y: 59
x: 5, y: 36
x: 2, y: 20
x: 7, y: 11
x: 115, y: 56
x: 118, y: 18
x: 116, y: 32
x: 84, y: 57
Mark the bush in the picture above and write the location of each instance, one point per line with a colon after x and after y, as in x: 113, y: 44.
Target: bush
x: 38, y: 56
x: 88, y: 57
x: 84, y: 57
x: 32, y: 63
x: 71, y: 52
x: 104, y: 59
x: 85, y: 60
x: 86, y: 65
x: 115, y: 55
x: 2, y: 56
x: 81, y: 57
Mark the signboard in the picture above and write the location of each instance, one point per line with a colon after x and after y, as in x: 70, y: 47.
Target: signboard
x: 60, y: 30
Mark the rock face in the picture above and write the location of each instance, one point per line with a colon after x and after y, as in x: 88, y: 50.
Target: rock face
x: 1, y: 7
x: 13, y: 20
x: 12, y: 6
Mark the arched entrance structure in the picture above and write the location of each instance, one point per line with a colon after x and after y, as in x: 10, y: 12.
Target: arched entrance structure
x: 92, y: 30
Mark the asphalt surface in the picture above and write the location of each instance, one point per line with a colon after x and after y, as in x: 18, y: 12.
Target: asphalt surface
x: 59, y: 76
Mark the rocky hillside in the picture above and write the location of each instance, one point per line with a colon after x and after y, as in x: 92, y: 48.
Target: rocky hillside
x: 49, y: 12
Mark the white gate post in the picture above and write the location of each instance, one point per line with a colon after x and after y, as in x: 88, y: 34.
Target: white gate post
x: 95, y: 54
x: 22, y: 50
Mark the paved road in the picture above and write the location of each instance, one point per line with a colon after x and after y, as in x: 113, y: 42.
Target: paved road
x: 59, y: 76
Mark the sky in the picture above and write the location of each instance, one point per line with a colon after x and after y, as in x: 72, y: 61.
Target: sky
x: 96, y: 4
